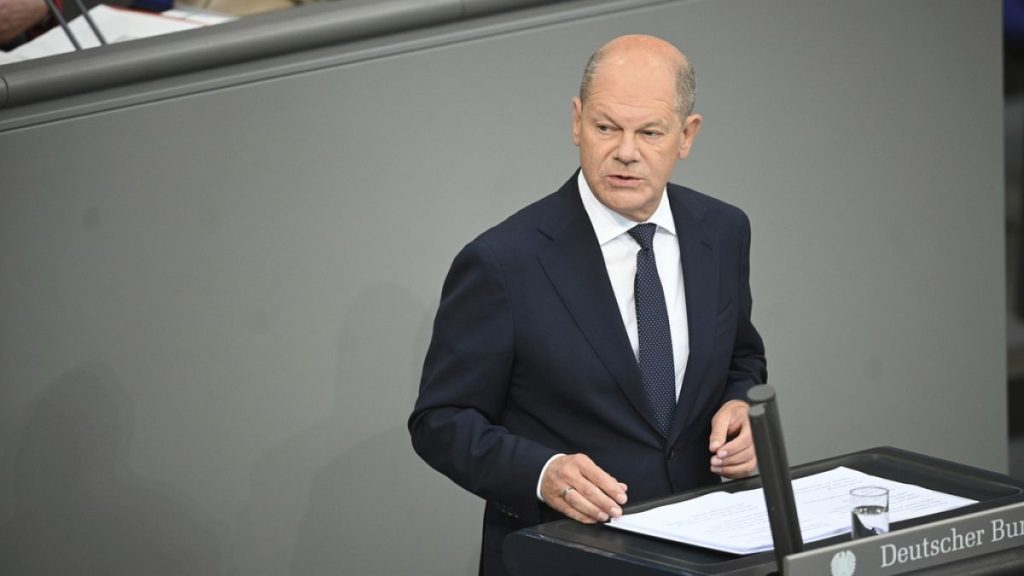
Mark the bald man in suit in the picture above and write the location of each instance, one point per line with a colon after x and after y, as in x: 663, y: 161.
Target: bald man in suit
x: 551, y: 386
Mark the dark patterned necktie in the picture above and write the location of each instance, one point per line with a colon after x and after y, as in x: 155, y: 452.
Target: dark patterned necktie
x: 656, y: 363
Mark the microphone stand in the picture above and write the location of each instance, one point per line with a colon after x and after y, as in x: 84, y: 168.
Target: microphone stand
x: 774, y: 467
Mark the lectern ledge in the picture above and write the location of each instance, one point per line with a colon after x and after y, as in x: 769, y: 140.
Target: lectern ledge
x: 986, y: 538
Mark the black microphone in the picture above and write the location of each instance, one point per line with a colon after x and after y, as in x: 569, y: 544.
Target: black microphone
x: 775, y: 478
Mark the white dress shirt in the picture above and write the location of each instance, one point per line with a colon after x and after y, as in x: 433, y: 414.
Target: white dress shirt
x: 619, y: 250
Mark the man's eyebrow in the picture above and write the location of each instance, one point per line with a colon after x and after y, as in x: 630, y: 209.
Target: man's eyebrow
x: 658, y: 123
x: 601, y: 115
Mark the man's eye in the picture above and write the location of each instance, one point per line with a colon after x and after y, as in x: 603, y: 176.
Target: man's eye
x: 604, y: 128
x: 652, y: 133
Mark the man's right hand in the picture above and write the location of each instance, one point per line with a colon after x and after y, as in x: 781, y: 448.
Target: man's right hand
x: 578, y: 488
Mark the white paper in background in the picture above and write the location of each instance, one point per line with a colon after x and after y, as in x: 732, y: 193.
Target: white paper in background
x: 116, y: 25
x: 738, y: 522
x: 7, y: 58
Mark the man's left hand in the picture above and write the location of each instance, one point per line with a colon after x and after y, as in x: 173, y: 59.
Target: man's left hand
x: 732, y: 444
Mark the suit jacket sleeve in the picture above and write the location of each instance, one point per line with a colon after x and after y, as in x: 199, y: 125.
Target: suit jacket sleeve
x: 455, y: 425
x: 748, y: 367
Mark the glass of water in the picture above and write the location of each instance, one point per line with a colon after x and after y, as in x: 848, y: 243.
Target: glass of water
x: 869, y: 511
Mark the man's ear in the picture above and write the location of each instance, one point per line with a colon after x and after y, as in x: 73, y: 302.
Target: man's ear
x: 577, y: 119
x: 691, y: 126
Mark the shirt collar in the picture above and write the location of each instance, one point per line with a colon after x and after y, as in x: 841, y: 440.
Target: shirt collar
x: 609, y: 224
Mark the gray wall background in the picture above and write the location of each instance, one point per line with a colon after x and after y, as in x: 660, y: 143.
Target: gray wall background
x: 215, y: 301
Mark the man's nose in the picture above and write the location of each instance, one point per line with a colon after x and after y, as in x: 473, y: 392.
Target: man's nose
x: 626, y: 152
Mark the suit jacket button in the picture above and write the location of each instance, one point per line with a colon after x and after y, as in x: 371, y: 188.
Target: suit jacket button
x: 671, y: 454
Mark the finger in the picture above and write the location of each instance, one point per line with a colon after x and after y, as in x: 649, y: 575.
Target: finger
x: 565, y: 508
x: 723, y: 424
x: 738, y: 464
x: 600, y: 500
x: 576, y: 503
x: 740, y: 470
x: 590, y: 500
x: 609, y: 491
x: 733, y: 427
x: 719, y: 430
x: 743, y: 440
x: 734, y: 459
x: 559, y: 500
x: 581, y: 503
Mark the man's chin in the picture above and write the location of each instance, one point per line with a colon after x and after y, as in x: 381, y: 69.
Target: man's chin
x: 629, y: 204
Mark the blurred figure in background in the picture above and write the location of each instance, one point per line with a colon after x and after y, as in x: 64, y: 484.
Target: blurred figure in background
x: 21, y: 20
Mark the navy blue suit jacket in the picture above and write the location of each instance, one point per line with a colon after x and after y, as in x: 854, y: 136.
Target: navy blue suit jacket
x: 529, y: 357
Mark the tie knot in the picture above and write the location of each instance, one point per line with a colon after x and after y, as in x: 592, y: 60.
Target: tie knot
x: 644, y: 234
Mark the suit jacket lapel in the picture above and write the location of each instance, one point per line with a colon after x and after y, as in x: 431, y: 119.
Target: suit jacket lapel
x: 575, y: 266
x: 698, y: 251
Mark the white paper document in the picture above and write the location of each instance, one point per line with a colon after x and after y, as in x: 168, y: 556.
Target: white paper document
x: 116, y: 25
x: 738, y: 522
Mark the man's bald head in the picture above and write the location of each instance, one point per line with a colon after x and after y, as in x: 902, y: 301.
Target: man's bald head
x: 639, y: 50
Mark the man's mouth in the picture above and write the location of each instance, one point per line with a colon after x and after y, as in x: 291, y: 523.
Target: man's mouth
x: 624, y: 180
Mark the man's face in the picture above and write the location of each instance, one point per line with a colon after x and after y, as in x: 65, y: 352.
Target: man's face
x: 630, y: 136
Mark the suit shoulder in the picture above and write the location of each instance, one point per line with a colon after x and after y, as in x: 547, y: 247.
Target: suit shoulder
x: 709, y: 209
x: 520, y: 227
